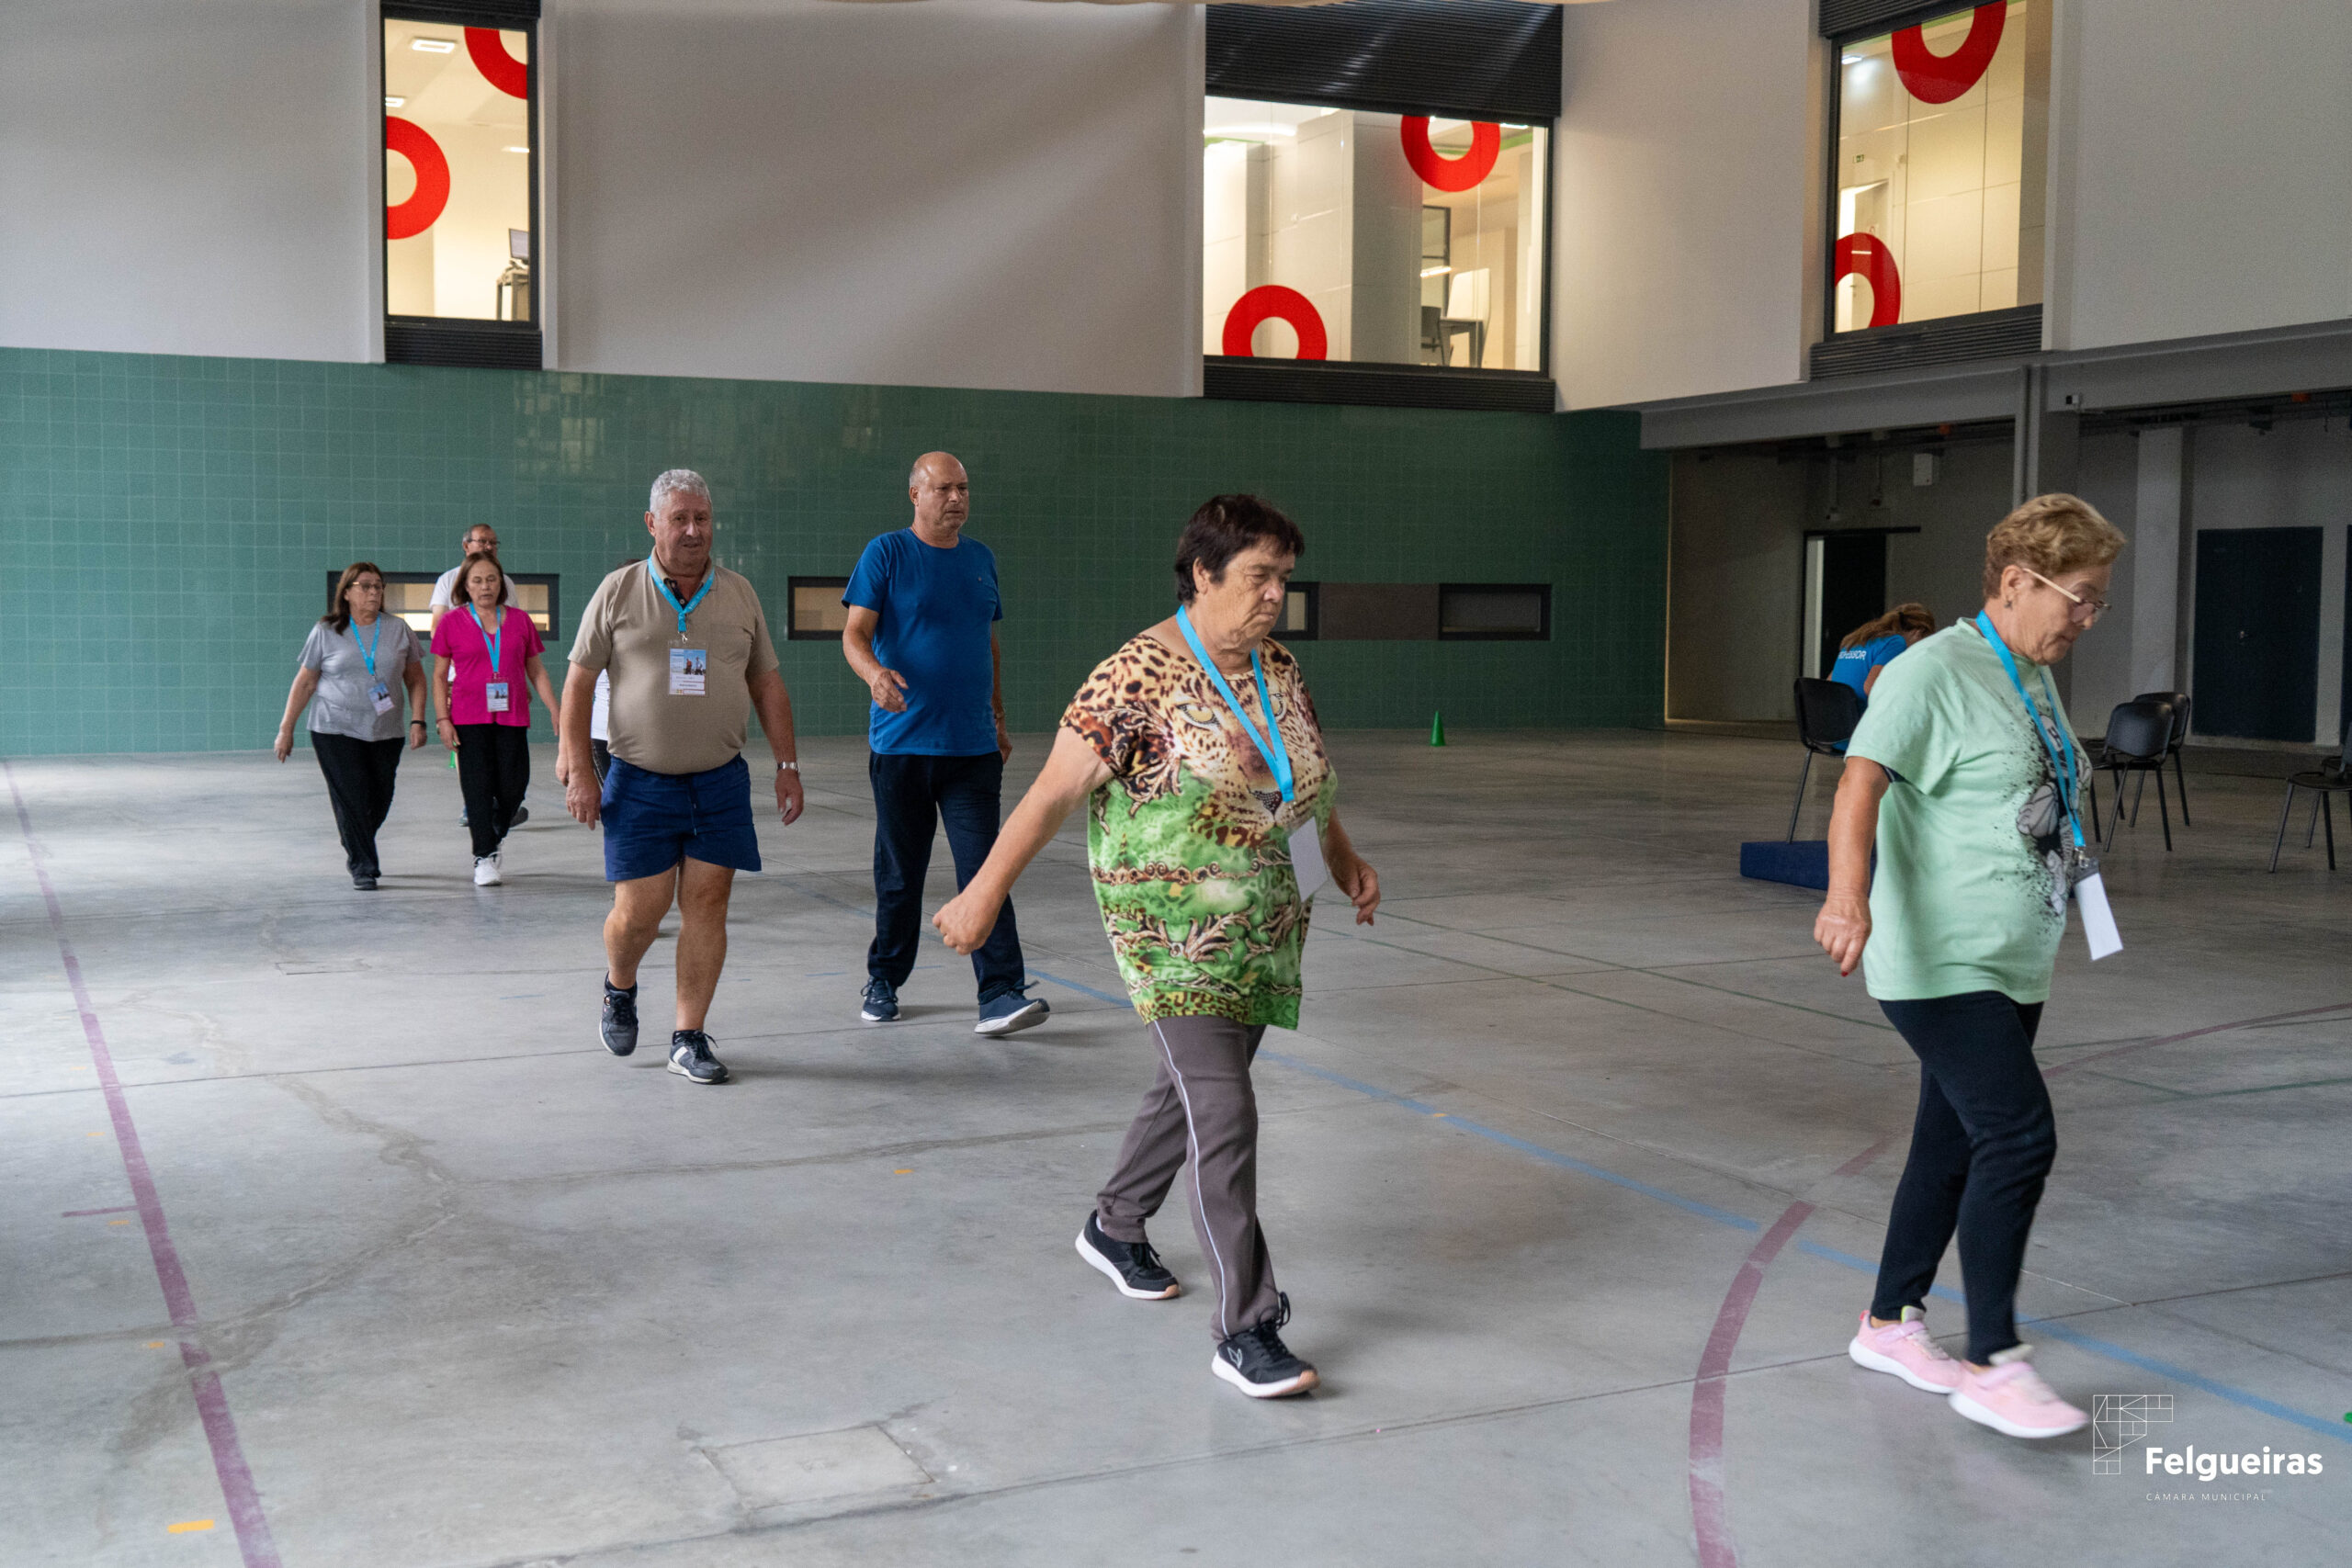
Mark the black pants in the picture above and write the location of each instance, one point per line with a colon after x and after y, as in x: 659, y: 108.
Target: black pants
x: 1984, y: 1140
x: 359, y: 782
x: 494, y: 770
x: 912, y: 795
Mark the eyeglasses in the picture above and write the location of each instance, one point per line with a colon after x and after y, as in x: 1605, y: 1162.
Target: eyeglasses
x: 2096, y: 607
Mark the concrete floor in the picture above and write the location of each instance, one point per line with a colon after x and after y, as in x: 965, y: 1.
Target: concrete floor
x: 1566, y: 1173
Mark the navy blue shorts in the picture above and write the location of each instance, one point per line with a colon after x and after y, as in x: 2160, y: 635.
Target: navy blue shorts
x: 654, y: 821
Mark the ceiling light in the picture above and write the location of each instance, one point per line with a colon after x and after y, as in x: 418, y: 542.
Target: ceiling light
x: 433, y: 45
x: 1253, y: 133
x: 1514, y: 125
x: 1852, y: 59
x: 517, y: 149
x: 1435, y: 271
x: 393, y: 103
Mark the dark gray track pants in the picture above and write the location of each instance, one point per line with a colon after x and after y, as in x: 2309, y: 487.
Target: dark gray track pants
x: 1203, y: 1111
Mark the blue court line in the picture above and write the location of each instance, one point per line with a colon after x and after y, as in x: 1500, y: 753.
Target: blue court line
x: 2073, y: 1337
x: 2057, y: 1329
x: 1081, y: 990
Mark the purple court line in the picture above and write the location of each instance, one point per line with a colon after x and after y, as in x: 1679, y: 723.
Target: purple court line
x: 211, y: 1402
x: 1710, y: 1513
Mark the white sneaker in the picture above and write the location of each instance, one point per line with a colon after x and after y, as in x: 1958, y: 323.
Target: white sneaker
x: 486, y: 871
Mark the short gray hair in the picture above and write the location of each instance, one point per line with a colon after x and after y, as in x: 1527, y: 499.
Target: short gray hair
x: 677, y: 481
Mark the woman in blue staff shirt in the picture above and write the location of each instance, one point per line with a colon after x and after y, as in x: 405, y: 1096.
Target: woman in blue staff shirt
x: 352, y: 672
x: 1871, y: 646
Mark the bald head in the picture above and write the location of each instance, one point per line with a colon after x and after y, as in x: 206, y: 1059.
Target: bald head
x: 942, y: 495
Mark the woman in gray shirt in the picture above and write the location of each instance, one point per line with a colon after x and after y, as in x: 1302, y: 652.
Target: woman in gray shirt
x: 353, y: 670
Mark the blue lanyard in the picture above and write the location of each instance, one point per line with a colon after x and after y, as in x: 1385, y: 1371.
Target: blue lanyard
x: 491, y: 639
x: 1277, y: 755
x: 368, y: 652
x: 709, y: 576
x: 2066, y: 767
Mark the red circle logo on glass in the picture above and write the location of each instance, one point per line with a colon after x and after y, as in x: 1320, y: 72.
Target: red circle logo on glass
x: 500, y: 69
x: 1451, y: 173
x: 418, y: 213
x: 1940, y: 78
x: 1866, y: 257
x: 1273, y: 302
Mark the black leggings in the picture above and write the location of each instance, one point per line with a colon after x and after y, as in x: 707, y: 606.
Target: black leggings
x: 359, y: 783
x: 494, y: 770
x: 1984, y: 1140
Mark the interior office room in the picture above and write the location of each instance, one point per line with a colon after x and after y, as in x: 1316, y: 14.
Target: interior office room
x: 1591, y: 388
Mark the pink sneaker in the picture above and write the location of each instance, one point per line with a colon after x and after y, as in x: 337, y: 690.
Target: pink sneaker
x: 2011, y: 1398
x: 1905, y: 1349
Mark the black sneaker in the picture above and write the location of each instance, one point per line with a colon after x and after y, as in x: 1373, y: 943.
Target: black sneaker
x: 881, y: 1004
x: 1257, y: 1362
x: 1131, y: 1266
x: 690, y: 1057
x: 619, y: 1029
x: 364, y: 880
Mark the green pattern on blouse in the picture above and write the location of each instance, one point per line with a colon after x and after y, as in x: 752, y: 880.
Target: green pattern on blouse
x: 1188, y: 843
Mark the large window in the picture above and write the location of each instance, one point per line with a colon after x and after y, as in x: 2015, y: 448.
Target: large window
x: 460, y: 206
x: 1941, y: 151
x: 1385, y: 238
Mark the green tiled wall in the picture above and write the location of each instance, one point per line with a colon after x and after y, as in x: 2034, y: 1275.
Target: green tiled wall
x: 167, y: 522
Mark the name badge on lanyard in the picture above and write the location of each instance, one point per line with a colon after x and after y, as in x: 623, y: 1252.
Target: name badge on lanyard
x: 1304, y: 840
x: 689, y: 667
x: 2081, y: 866
x: 378, y: 694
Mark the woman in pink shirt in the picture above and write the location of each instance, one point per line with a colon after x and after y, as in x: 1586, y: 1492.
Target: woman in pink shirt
x: 480, y: 660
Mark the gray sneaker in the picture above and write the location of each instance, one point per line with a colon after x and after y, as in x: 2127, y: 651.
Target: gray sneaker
x: 690, y: 1057
x: 618, y: 1030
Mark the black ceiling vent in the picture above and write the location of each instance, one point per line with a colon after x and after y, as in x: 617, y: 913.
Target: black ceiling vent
x: 479, y: 345
x: 1239, y: 379
x: 1849, y: 20
x: 1952, y: 340
x: 1494, y: 60
x: 465, y: 12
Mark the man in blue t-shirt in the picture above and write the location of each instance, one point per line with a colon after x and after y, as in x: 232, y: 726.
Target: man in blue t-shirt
x: 921, y: 634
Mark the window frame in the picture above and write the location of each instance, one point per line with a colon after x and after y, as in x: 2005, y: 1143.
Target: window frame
x: 467, y: 341
x: 1543, y: 591
x: 792, y: 587
x: 1407, y: 384
x: 551, y: 580
x: 1974, y: 335
x: 1314, y: 612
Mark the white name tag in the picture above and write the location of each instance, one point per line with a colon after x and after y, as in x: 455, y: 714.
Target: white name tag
x: 2098, y: 920
x: 1306, y: 859
x: 381, y: 695
x: 689, y: 668
x: 496, y: 693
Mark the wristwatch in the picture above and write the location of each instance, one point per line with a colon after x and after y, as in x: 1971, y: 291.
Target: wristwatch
x: 788, y: 767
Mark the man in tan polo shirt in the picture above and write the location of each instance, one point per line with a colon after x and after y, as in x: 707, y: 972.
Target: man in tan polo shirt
x: 686, y: 645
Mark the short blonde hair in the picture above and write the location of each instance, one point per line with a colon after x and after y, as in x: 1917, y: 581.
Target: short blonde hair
x: 2051, y: 535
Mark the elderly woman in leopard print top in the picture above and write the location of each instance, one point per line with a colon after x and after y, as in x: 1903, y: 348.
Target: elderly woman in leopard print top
x: 1209, y: 800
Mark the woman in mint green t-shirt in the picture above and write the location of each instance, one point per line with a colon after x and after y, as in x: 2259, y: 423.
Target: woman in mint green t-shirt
x: 1966, y: 774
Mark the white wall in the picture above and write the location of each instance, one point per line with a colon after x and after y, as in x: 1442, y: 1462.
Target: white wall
x: 972, y: 193
x: 188, y: 179
x: 2211, y: 190
x: 1685, y: 240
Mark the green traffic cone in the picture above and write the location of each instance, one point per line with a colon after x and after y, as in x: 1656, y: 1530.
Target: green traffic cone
x: 1437, y: 728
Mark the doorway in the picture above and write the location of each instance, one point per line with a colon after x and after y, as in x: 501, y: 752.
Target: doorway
x: 2256, y: 644
x: 1845, y: 584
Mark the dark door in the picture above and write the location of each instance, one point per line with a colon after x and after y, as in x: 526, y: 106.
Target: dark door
x: 2257, y: 631
x: 1853, y: 587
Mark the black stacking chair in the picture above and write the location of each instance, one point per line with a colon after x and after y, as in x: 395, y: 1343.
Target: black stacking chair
x: 1827, y: 714
x: 2179, y: 701
x: 2138, y: 734
x: 2333, y: 777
